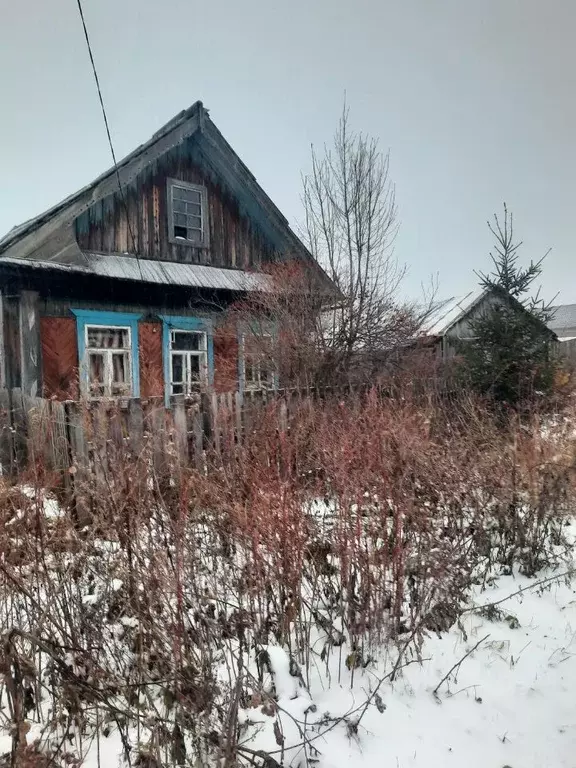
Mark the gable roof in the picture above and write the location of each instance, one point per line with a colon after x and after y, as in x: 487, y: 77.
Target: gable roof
x: 563, y: 319
x: 450, y: 311
x: 50, y: 237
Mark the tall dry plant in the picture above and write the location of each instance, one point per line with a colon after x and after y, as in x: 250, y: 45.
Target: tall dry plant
x: 338, y: 528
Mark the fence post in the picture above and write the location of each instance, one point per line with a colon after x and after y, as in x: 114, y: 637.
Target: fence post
x: 158, y: 427
x: 239, y: 411
x: 7, y: 458
x: 135, y: 425
x: 180, y: 428
x: 207, y: 419
x: 216, y: 427
x: 198, y: 432
x: 19, y: 429
x: 78, y: 452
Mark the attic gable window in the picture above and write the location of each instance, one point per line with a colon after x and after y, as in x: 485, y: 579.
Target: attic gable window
x: 188, y: 213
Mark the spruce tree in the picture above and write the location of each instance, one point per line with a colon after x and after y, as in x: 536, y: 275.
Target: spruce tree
x: 509, y: 357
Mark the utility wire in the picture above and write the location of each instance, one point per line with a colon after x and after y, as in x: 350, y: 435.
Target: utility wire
x: 104, y: 115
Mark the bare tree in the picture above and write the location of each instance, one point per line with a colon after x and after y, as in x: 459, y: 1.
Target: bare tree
x: 350, y: 227
x: 335, y: 337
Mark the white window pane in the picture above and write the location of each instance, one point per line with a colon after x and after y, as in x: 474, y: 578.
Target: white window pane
x: 251, y: 372
x: 178, y: 193
x: 194, y: 209
x: 108, y: 338
x: 183, y: 193
x: 195, y: 368
x: 192, y: 195
x: 96, y: 367
x: 120, y: 374
x: 187, y: 340
x: 177, y: 368
x: 194, y: 222
x: 194, y: 235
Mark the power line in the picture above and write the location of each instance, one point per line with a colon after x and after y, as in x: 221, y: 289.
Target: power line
x: 104, y: 115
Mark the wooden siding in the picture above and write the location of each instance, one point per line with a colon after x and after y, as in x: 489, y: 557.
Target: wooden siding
x: 225, y: 360
x: 151, y: 368
x: 138, y: 222
x: 59, y: 357
x: 11, y: 332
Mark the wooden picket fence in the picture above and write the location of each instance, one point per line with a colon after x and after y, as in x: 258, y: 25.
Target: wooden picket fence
x: 70, y: 436
x: 90, y: 438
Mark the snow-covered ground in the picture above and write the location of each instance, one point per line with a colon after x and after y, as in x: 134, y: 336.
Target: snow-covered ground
x: 511, y: 703
x: 496, y: 691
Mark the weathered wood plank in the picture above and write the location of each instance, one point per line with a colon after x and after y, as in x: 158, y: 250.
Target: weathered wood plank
x: 214, y: 408
x: 59, y: 456
x: 19, y: 425
x: 159, y: 439
x: 238, y: 413
x: 29, y: 319
x: 156, y: 248
x: 198, y: 436
x: 180, y: 429
x: 76, y: 427
x: 7, y: 458
x: 136, y: 426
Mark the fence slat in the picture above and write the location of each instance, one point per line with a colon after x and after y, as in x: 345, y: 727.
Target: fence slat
x: 238, y: 405
x: 181, y: 429
x: 198, y: 434
x: 6, y: 434
x: 90, y: 437
x: 136, y: 425
x: 19, y: 424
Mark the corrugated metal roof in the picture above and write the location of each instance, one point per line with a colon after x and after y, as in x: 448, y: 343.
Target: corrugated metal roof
x: 563, y: 318
x: 450, y: 311
x: 160, y: 272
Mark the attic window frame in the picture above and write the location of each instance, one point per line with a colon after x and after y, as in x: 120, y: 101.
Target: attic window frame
x: 204, y: 242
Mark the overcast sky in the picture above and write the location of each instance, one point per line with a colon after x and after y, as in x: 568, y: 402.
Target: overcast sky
x: 474, y: 98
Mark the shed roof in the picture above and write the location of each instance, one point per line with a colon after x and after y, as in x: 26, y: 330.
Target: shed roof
x: 448, y: 312
x: 563, y: 318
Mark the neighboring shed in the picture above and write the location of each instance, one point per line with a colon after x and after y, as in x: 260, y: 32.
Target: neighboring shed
x: 451, y: 321
x: 563, y: 321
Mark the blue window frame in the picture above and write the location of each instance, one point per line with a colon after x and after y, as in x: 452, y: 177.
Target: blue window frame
x: 188, y: 354
x: 108, y: 354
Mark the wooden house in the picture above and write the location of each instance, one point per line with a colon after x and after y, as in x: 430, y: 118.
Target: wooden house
x: 117, y: 291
